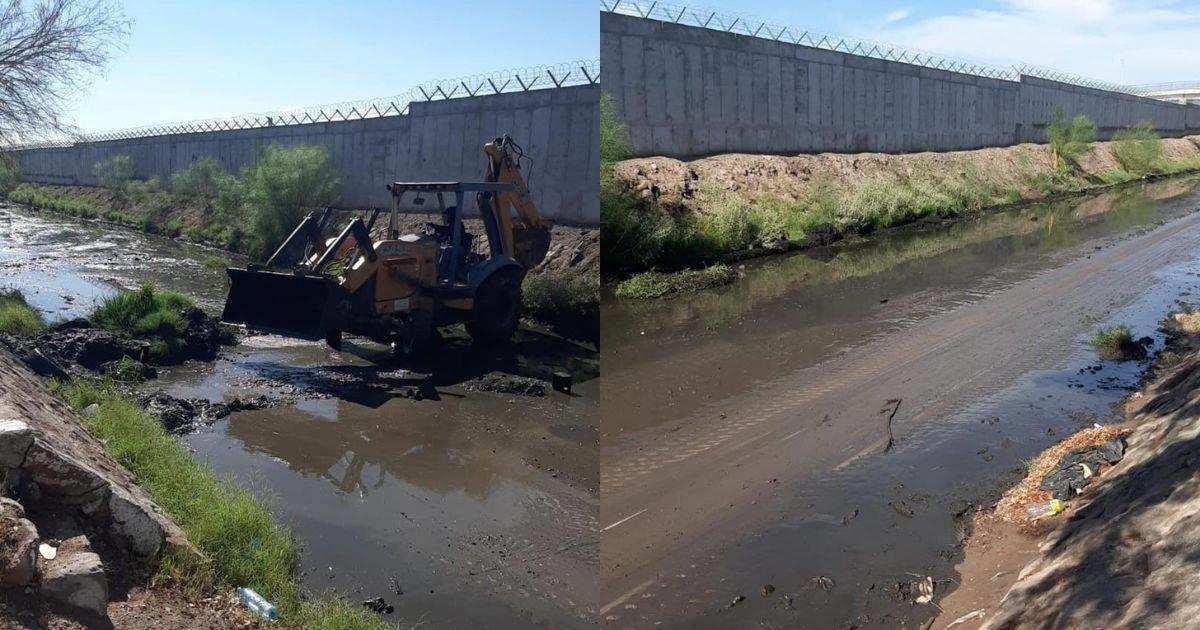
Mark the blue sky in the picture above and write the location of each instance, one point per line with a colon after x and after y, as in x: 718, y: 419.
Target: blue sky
x: 1123, y: 41
x: 201, y: 59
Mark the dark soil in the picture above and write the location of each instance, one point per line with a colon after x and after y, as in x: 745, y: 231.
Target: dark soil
x: 183, y: 415
x: 78, y: 348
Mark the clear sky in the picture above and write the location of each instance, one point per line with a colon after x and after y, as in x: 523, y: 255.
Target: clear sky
x: 206, y: 58
x: 1123, y: 41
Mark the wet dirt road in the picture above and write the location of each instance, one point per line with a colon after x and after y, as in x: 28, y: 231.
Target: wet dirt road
x: 755, y: 482
x: 461, y: 507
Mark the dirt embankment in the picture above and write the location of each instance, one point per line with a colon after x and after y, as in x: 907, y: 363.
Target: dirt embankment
x: 1126, y: 552
x: 681, y: 186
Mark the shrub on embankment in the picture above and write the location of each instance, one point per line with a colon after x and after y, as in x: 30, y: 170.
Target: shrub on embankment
x: 242, y: 542
x: 665, y: 214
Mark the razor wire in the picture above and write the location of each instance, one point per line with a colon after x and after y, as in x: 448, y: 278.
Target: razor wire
x: 691, y: 15
x: 502, y: 82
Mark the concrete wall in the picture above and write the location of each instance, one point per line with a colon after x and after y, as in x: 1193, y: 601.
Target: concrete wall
x: 686, y: 91
x: 440, y: 140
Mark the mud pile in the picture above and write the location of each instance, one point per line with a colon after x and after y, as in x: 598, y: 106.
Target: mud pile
x: 79, y: 348
x: 681, y: 186
x: 1128, y: 551
x: 182, y: 415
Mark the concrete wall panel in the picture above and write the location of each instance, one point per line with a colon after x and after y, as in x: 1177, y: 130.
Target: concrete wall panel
x: 443, y: 140
x: 764, y: 96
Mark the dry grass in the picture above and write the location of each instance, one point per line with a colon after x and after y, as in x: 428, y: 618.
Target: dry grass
x: 1011, y: 507
x: 1189, y: 322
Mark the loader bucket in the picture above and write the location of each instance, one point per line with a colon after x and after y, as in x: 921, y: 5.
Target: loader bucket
x: 531, y: 245
x: 295, y: 305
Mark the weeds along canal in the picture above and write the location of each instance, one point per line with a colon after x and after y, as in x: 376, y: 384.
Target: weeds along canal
x: 441, y: 485
x: 816, y: 430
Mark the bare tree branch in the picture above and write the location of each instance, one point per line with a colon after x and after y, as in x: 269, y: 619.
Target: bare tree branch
x: 49, y: 49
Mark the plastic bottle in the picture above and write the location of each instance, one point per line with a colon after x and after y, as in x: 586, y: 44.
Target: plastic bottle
x: 257, y: 603
x: 1043, y: 509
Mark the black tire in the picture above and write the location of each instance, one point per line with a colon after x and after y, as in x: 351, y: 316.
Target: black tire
x: 497, y: 308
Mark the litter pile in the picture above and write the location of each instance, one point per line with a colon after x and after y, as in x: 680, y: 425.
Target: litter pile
x: 1062, y: 470
x: 1127, y: 556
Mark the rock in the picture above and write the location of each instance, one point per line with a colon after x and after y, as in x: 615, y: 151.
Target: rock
x: 61, y: 475
x: 130, y: 522
x: 18, y: 545
x: 76, y: 578
x: 91, y: 410
x: 15, y: 439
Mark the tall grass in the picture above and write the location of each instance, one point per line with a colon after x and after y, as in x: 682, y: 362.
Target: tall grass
x: 148, y: 313
x: 242, y: 542
x: 17, y: 317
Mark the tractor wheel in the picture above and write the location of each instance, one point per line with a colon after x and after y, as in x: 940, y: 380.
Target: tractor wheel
x: 497, y: 308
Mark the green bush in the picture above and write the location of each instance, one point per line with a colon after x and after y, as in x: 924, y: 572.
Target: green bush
x: 114, y: 173
x: 1115, y: 343
x: 140, y: 191
x: 17, y: 317
x: 10, y: 173
x: 551, y: 295
x: 1139, y: 149
x: 1069, y: 140
x: 202, y: 181
x: 284, y: 184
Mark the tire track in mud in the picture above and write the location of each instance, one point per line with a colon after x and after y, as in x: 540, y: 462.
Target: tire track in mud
x: 935, y: 364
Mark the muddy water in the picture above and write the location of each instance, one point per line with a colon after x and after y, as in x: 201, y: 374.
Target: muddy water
x: 753, y: 485
x: 462, y: 508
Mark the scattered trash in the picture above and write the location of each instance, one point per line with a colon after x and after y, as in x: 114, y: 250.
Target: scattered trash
x: 822, y: 582
x: 1054, y: 506
x: 257, y: 604
x: 971, y: 616
x: 1075, y: 470
x: 923, y: 586
x: 767, y: 589
x: 850, y: 516
x: 378, y: 605
x: 48, y: 552
x: 737, y: 600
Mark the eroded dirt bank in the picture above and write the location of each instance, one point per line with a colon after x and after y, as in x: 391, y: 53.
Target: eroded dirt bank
x: 681, y: 186
x: 1124, y: 554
